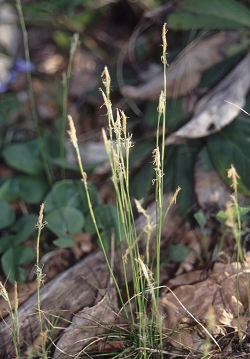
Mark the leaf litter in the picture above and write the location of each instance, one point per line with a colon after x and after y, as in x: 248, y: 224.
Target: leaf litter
x: 184, y: 73
x: 213, y: 112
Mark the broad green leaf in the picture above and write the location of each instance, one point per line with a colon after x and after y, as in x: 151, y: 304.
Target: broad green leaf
x: 141, y: 182
x: 65, y: 241
x: 106, y: 219
x: 231, y: 146
x: 243, y: 210
x: 20, y: 157
x: 65, y: 220
x: 175, y: 114
x: 29, y: 189
x: 176, y: 253
x: 226, y: 14
x: 23, y: 254
x: 178, y: 170
x: 221, y: 217
x: 4, y: 188
x: 141, y: 151
x: 51, y: 146
x: 32, y: 189
x: 72, y: 194
x: 24, y: 227
x: 11, y: 261
x: 226, y: 9
x: 6, y: 242
x: 61, y: 162
x: 9, y: 105
x: 215, y: 73
x: 7, y: 216
x: 200, y: 218
x: 188, y: 21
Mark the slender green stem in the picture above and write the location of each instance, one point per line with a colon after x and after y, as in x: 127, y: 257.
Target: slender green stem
x: 31, y: 94
x: 40, y: 225
x: 66, y: 81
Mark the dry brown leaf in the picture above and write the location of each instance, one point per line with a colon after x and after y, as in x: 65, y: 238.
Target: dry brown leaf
x: 217, y: 292
x: 193, y: 239
x: 87, y: 325
x: 212, y: 112
x: 211, y: 192
x: 52, y: 64
x: 183, y: 75
x: 83, y: 244
x: 185, y: 279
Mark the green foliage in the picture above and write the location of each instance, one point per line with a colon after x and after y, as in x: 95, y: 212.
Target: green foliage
x: 144, y: 177
x: 20, y: 157
x: 178, y: 169
x: 25, y: 157
x: 7, y: 215
x: 201, y: 218
x: 70, y: 193
x: 64, y: 241
x: 65, y: 220
x: 14, y: 254
x: 222, y: 216
x: 23, y: 228
x: 9, y: 105
x: 107, y: 220
x: 198, y: 14
x: 30, y: 189
x: 11, y: 261
x: 176, y: 253
x: 231, y: 146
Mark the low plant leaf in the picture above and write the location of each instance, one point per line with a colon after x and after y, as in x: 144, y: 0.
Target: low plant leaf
x: 9, y: 104
x: 186, y: 21
x: 29, y: 189
x: 7, y: 216
x: 70, y: 193
x: 107, y: 220
x: 141, y: 182
x: 176, y: 253
x: 65, y: 220
x: 24, y: 227
x: 11, y: 261
x: 226, y: 14
x: 221, y: 217
x: 231, y: 146
x: 200, y: 218
x: 20, y: 157
x: 179, y: 171
x: 65, y: 241
x: 140, y: 152
x: 175, y: 114
x: 6, y: 242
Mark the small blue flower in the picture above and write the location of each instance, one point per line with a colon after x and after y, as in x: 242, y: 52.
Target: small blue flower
x: 20, y: 65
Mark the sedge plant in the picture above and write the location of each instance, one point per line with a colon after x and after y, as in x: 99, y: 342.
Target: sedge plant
x: 234, y: 213
x: 145, y: 321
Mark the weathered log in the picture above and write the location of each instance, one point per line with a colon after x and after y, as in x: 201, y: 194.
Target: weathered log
x: 74, y: 289
x: 64, y: 295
